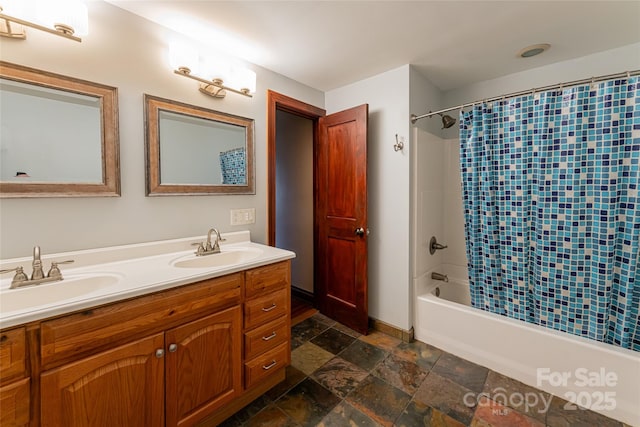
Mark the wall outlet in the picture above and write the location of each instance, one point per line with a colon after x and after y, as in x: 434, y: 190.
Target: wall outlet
x: 243, y: 216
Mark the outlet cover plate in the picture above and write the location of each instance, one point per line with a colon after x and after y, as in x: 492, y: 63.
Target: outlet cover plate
x: 243, y: 216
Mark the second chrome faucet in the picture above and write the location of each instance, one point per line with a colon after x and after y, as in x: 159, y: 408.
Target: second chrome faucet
x: 208, y: 248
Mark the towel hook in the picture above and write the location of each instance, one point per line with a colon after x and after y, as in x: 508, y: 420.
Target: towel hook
x: 399, y: 145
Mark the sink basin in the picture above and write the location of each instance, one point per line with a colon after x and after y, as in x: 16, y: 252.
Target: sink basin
x: 72, y: 286
x: 225, y: 258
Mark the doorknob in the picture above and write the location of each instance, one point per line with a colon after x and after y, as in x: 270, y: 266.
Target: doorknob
x: 359, y: 231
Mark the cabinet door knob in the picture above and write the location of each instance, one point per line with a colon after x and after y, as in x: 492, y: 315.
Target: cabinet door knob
x: 159, y: 353
x: 173, y: 348
x: 359, y: 231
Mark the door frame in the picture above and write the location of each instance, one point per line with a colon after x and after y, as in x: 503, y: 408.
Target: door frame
x: 279, y: 102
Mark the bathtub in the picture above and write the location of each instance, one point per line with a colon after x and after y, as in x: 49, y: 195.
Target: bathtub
x: 601, y: 377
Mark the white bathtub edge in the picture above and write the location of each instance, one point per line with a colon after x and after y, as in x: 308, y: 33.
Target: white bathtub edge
x: 497, y: 351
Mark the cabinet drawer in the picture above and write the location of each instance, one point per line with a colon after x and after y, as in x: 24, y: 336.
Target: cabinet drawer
x: 260, y: 367
x: 267, y: 278
x: 265, y: 338
x: 260, y: 310
x: 12, y: 355
x: 66, y: 338
x: 14, y: 401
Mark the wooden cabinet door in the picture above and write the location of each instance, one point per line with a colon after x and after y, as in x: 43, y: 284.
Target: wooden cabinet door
x: 203, y: 366
x: 15, y: 403
x: 119, y: 387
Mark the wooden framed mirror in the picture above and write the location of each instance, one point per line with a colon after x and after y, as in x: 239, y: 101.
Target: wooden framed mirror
x: 58, y: 137
x: 192, y: 150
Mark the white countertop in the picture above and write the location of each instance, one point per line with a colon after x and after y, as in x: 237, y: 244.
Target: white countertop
x: 120, y: 272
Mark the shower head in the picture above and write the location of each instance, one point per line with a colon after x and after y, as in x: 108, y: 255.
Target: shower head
x: 447, y: 121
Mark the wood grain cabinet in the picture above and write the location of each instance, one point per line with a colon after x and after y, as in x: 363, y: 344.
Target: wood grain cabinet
x: 187, y: 356
x: 203, y: 366
x: 14, y: 378
x: 194, y: 368
x: 267, y: 322
x: 123, y: 386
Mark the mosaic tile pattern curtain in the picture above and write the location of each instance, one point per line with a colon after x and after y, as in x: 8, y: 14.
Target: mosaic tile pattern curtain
x: 550, y: 188
x: 233, y: 166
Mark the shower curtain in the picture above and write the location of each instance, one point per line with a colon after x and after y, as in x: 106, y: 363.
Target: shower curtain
x: 552, y: 211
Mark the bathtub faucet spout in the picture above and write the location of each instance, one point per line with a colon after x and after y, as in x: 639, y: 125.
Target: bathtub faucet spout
x: 438, y: 276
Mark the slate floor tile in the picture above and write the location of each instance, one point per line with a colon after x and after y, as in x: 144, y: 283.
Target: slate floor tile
x: 381, y: 340
x: 423, y: 355
x: 306, y: 330
x: 271, y: 416
x: 417, y: 414
x: 333, y: 340
x: 339, y: 376
x: 461, y: 371
x: 346, y: 330
x: 309, y: 357
x: 400, y: 373
x: 496, y: 415
x: 363, y: 355
x: 293, y: 376
x: 514, y: 394
x: 448, y: 397
x: 346, y: 415
x: 308, y: 402
x: 564, y: 414
x: 378, y: 400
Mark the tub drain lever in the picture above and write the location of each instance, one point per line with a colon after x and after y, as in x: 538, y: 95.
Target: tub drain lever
x: 435, y: 246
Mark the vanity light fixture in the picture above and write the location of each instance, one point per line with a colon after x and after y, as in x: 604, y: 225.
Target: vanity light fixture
x: 65, y: 18
x: 185, y: 62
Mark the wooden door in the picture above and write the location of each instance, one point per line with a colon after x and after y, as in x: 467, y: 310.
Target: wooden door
x: 203, y: 366
x: 119, y: 387
x: 341, y: 217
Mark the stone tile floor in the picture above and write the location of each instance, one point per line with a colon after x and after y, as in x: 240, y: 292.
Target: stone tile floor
x: 340, y: 378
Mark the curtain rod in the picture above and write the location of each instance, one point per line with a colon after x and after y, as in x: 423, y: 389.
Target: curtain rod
x: 627, y: 74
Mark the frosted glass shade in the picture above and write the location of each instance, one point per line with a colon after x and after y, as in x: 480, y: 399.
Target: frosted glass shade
x: 181, y: 55
x: 243, y: 78
x: 214, y: 69
x: 49, y: 13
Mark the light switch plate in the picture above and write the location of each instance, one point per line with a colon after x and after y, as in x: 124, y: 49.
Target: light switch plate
x: 243, y: 216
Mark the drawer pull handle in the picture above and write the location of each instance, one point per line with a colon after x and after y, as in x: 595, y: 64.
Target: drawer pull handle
x: 266, y: 309
x: 270, y: 337
x: 270, y: 365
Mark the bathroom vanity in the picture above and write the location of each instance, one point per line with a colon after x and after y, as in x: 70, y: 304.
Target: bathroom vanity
x: 188, y: 343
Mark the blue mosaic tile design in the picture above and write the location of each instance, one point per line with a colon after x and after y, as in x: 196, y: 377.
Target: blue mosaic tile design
x: 232, y: 163
x: 550, y: 187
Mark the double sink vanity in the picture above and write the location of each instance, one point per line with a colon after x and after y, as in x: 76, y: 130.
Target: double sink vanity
x: 149, y: 334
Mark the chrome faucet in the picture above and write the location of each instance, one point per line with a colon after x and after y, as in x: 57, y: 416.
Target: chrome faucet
x: 438, y: 276
x: 37, y: 272
x: 37, y: 275
x: 209, y: 248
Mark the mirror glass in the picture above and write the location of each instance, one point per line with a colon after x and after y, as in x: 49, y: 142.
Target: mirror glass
x: 58, y: 135
x: 193, y: 150
x: 42, y: 153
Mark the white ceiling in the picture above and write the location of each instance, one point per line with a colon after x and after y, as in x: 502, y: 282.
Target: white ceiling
x: 328, y: 44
